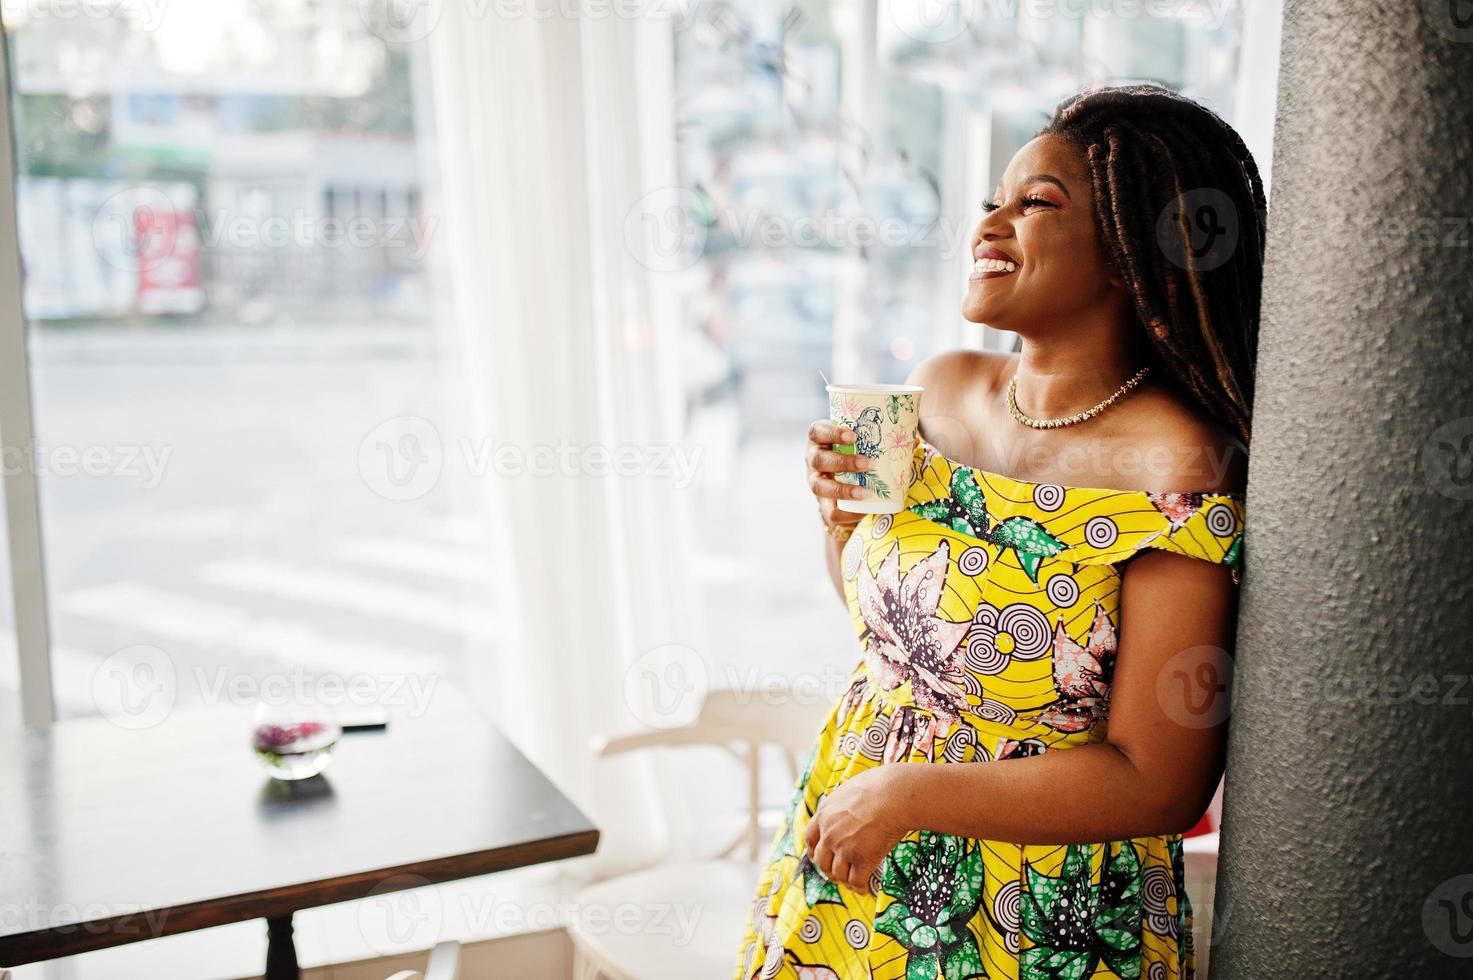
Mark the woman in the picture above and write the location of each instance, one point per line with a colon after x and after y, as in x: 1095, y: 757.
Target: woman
x: 1057, y: 598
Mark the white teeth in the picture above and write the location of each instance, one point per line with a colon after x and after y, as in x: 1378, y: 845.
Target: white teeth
x: 993, y: 265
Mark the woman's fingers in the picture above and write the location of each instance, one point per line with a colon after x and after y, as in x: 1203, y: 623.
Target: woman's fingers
x: 825, y: 433
x: 828, y: 461
x: 823, y: 463
x: 821, y: 436
x: 836, y: 865
x: 849, y: 872
x: 862, y: 876
x: 823, y: 858
x: 825, y: 486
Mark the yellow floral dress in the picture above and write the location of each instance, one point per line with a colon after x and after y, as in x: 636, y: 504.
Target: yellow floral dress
x: 987, y: 611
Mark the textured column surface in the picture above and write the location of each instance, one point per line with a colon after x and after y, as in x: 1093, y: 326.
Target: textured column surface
x: 1347, y: 847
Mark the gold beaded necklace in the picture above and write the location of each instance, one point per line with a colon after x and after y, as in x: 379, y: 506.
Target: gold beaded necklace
x: 1077, y: 416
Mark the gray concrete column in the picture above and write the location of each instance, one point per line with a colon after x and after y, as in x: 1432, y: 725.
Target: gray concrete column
x: 1347, y: 846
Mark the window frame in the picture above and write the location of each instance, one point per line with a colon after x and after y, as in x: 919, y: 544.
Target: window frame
x: 17, y: 435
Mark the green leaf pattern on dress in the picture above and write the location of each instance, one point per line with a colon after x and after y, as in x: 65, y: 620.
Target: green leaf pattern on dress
x: 965, y: 510
x: 1074, y: 922
x: 936, y: 884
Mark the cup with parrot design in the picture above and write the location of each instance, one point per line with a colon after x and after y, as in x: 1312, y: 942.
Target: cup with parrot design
x: 884, y: 419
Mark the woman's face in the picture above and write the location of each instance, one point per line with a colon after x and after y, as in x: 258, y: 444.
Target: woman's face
x: 1044, y: 226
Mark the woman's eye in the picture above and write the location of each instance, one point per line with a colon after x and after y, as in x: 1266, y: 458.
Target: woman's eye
x: 1023, y: 202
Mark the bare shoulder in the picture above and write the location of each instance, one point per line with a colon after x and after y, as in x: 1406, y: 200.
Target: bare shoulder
x: 948, y: 372
x: 1180, y: 447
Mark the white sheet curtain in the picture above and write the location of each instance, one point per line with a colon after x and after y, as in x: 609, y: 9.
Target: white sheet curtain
x: 551, y: 130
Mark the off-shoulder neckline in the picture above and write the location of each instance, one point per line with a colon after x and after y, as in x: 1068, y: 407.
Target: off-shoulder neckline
x: 991, y: 475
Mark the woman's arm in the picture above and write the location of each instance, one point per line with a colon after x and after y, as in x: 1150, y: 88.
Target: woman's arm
x: 823, y: 463
x: 1155, y: 773
x: 832, y: 550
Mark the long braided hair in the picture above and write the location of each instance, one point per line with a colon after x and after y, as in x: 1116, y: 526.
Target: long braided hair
x: 1162, y: 164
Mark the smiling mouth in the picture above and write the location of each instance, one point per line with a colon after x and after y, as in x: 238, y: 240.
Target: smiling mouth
x: 991, y: 269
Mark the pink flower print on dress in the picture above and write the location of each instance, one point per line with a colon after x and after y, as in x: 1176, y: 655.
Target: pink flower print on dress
x: 1177, y: 508
x: 906, y: 640
x: 910, y: 730
x: 1082, y: 676
x: 1008, y: 748
x: 851, y: 699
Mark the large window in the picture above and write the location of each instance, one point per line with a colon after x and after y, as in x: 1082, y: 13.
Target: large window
x: 227, y: 220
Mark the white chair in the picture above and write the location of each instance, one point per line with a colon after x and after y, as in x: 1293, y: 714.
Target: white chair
x: 444, y: 964
x: 717, y: 892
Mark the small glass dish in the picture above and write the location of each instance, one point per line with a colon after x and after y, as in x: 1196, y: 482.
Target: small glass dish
x: 296, y: 745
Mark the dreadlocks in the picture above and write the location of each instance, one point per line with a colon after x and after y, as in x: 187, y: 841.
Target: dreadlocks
x: 1150, y: 149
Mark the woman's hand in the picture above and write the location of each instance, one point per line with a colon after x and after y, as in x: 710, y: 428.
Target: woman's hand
x: 824, y: 462
x: 854, y: 828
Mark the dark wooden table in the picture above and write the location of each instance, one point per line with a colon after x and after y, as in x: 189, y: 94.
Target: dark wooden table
x: 110, y: 836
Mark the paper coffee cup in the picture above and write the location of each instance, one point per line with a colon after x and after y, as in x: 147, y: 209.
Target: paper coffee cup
x: 884, y: 419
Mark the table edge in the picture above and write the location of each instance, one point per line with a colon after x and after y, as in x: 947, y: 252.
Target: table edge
x: 52, y: 942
